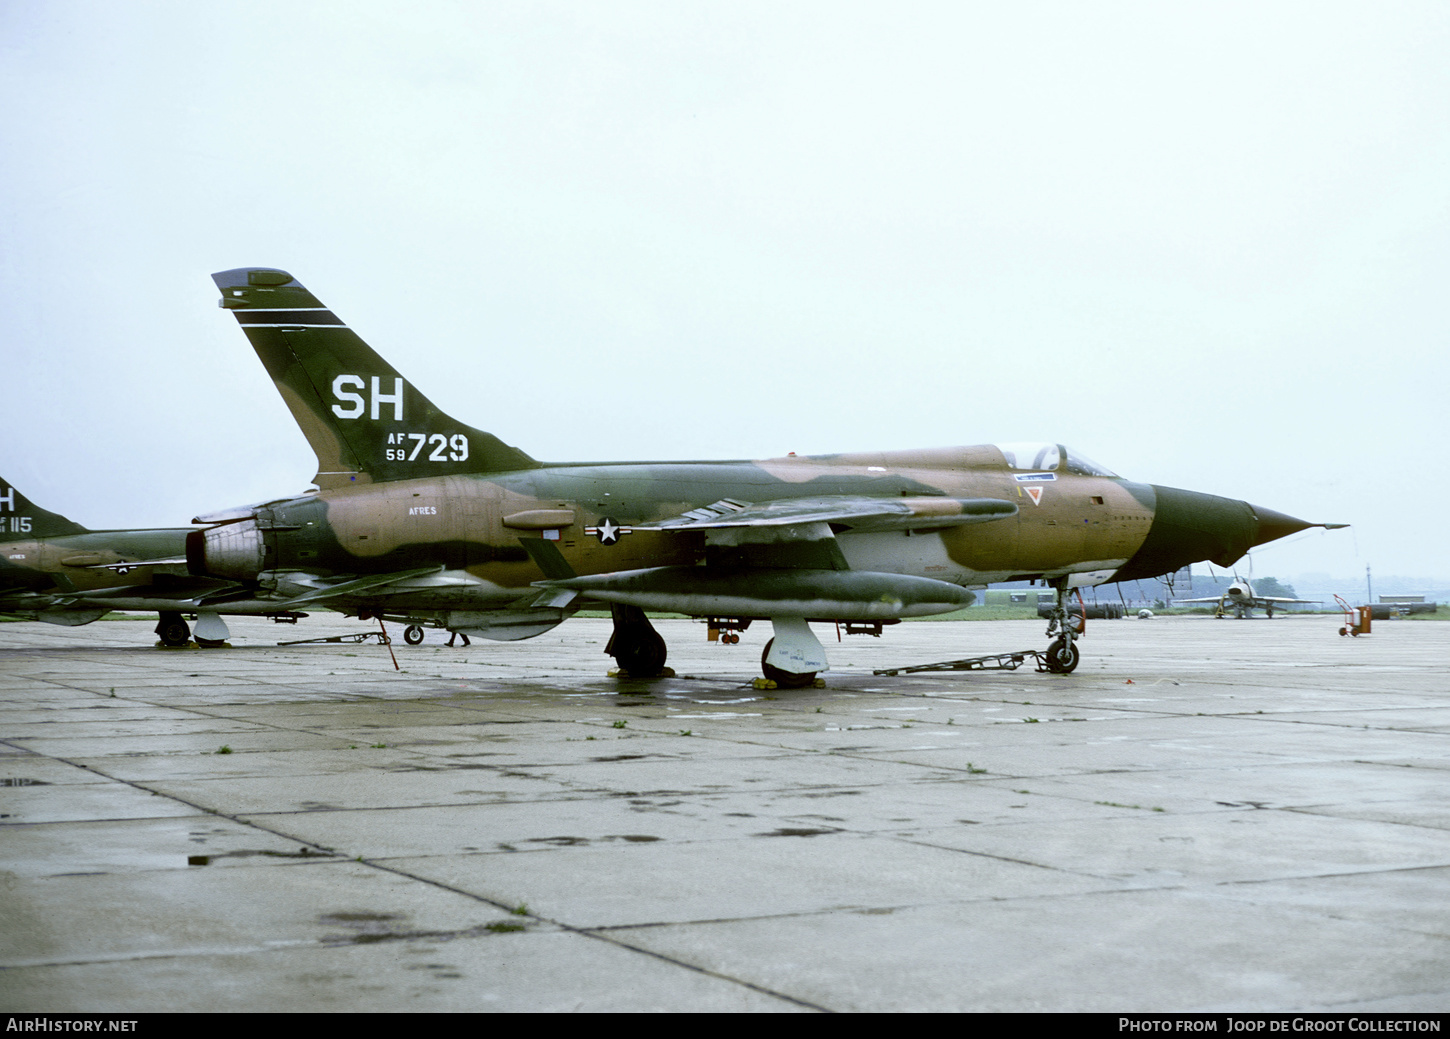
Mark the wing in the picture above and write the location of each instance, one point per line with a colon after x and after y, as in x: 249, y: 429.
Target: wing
x: 781, y: 558
x: 841, y: 512
x: 374, y: 583
x: 801, y: 532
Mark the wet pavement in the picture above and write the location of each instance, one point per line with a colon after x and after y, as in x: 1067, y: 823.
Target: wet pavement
x: 1208, y: 815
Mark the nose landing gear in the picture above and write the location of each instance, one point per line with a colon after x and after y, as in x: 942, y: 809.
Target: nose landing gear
x: 1062, y: 655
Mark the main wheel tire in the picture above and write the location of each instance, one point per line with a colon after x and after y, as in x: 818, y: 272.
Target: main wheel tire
x: 172, y: 630
x: 641, y: 652
x: 784, y: 679
x: 413, y: 634
x: 1062, y: 659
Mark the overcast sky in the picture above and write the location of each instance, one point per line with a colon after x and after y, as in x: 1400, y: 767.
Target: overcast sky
x: 719, y: 230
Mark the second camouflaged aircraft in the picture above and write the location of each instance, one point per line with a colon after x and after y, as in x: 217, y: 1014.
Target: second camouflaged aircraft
x: 52, y: 569
x: 425, y: 520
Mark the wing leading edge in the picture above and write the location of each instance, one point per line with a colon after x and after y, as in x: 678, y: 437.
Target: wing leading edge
x: 846, y: 511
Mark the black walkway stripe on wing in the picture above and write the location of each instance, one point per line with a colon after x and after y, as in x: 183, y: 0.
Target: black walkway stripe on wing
x: 290, y: 318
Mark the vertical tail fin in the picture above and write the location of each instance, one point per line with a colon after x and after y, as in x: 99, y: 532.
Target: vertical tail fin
x: 21, y: 519
x: 365, y: 423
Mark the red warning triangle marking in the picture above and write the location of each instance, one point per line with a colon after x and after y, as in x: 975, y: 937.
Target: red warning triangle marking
x: 1035, y: 493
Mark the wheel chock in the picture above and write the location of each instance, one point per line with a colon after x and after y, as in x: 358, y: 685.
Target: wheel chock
x: 619, y: 672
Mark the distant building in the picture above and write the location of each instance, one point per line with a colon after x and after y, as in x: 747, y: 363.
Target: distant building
x: 1017, y: 597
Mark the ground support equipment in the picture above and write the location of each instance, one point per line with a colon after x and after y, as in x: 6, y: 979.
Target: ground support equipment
x: 1356, y: 618
x: 361, y: 636
x: 991, y: 662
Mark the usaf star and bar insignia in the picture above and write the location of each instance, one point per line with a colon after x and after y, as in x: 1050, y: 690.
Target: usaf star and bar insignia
x: 607, y: 531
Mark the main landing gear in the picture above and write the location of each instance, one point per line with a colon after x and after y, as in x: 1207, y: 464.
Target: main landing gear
x: 794, y: 657
x: 783, y: 679
x: 1062, y: 655
x: 635, y: 645
x: 172, y: 629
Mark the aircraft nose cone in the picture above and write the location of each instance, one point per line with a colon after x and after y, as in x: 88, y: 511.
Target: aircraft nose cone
x: 1275, y: 525
x: 1189, y: 527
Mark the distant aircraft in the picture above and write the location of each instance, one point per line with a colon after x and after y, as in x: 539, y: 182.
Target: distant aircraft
x: 53, y: 569
x: 1241, y: 598
x: 422, y: 519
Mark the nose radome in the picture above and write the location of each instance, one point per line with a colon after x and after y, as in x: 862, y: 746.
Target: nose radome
x: 1189, y: 527
x: 1275, y: 525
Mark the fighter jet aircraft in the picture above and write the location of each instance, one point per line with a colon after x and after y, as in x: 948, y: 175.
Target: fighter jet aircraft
x: 53, y: 569
x: 422, y: 519
x: 1242, y: 600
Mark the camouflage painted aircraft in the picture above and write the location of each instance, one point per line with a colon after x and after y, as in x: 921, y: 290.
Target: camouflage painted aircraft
x: 1241, y: 599
x: 424, y: 520
x: 53, y: 569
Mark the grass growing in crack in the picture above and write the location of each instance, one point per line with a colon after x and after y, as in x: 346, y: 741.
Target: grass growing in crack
x: 620, y: 723
x: 1115, y: 804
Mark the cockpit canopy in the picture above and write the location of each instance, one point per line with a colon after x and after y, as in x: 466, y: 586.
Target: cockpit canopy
x: 1051, y: 457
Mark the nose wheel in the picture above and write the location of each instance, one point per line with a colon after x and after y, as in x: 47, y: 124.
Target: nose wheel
x: 1063, y: 656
